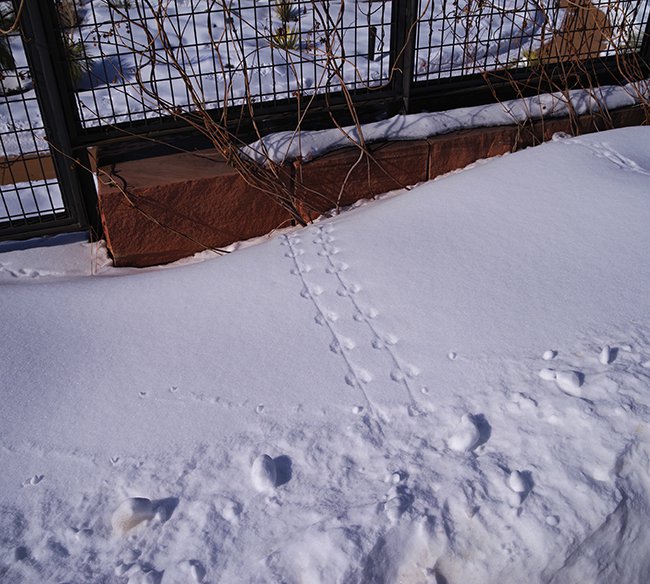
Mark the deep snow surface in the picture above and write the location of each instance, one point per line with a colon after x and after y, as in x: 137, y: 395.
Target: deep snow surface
x: 450, y: 385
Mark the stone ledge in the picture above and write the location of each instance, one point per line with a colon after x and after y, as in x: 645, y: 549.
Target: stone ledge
x: 458, y: 149
x: 174, y: 206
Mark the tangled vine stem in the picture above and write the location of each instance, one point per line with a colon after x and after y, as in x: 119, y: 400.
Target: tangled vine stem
x: 13, y: 21
x: 552, y: 66
x: 159, y: 30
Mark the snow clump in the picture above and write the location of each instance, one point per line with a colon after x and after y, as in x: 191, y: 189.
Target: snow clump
x: 130, y: 513
x: 264, y: 473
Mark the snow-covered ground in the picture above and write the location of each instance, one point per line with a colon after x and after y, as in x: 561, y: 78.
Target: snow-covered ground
x: 230, y: 51
x: 30, y: 199
x: 450, y: 384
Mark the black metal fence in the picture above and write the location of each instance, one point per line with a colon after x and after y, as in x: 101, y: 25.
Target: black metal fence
x: 30, y: 196
x: 111, y: 72
x: 29, y: 191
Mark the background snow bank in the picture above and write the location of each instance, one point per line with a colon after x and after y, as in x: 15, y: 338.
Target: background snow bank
x: 400, y: 365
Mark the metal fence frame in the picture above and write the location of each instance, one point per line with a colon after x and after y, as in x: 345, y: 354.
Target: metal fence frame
x: 77, y: 185
x: 47, y: 60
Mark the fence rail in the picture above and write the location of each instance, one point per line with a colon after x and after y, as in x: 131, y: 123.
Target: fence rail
x: 111, y: 72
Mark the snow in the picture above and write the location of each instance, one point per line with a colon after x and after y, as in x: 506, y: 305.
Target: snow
x: 130, y: 513
x: 605, y: 356
x: 383, y: 365
x: 517, y: 482
x: 264, y: 473
x: 30, y: 199
x: 286, y: 146
x: 569, y: 382
x: 466, y: 437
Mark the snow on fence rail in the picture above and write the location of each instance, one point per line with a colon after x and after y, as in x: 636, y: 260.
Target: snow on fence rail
x: 123, y: 65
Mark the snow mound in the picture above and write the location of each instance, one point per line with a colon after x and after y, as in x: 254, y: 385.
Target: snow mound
x: 131, y: 513
x: 353, y: 347
x: 466, y: 436
x: 264, y: 473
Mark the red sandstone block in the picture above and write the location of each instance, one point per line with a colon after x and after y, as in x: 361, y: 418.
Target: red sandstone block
x: 589, y: 123
x: 345, y: 176
x: 453, y: 151
x: 457, y: 150
x: 171, y: 207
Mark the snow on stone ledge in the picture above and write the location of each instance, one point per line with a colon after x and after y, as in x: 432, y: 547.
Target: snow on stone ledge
x: 291, y: 145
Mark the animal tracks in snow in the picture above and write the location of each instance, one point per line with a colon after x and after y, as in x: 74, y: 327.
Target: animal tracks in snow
x: 33, y: 481
x: 606, y: 151
x: 178, y: 395
x: 325, y: 317
x: 327, y: 284
x: 26, y: 273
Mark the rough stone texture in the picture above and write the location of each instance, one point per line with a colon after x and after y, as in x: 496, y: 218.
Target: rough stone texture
x: 174, y: 206
x: 598, y: 122
x: 630, y: 116
x: 584, y: 33
x: 334, y: 180
x: 452, y: 151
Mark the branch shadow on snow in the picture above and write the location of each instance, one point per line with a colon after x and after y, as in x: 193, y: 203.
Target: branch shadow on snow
x: 102, y: 71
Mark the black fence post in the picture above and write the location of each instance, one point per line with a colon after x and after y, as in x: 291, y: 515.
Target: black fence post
x: 402, y: 47
x: 46, y: 58
x: 645, y: 47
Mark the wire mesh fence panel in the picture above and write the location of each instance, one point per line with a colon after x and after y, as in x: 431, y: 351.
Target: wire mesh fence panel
x: 29, y: 190
x: 141, y: 59
x: 622, y: 24
x: 465, y: 37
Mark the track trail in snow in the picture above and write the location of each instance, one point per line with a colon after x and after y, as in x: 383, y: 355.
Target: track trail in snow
x: 356, y: 376
x: 363, y: 314
x: 26, y: 272
x: 605, y: 151
x: 401, y: 372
